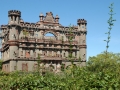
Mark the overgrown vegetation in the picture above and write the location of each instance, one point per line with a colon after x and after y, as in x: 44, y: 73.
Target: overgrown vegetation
x: 100, y: 73
x: 25, y: 33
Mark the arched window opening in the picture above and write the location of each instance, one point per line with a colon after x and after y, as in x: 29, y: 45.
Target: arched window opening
x: 50, y: 36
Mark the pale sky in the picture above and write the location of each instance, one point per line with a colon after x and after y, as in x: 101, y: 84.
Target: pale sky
x: 94, y: 11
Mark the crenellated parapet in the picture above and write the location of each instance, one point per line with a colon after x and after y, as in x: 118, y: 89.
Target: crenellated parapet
x: 4, y: 29
x: 21, y: 21
x: 14, y: 12
x: 82, y: 25
x: 14, y: 17
x: 81, y: 21
x: 29, y: 25
x: 74, y: 29
x: 3, y: 26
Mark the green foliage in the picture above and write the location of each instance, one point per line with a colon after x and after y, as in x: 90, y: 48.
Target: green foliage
x: 25, y: 32
x: 70, y: 39
x: 99, y: 74
x: 107, y: 68
x: 100, y: 63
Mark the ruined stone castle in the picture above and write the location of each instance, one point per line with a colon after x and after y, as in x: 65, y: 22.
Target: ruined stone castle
x: 23, y: 42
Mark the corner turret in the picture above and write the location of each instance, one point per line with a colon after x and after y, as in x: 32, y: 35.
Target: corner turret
x: 82, y: 40
x: 14, y: 16
x: 81, y: 24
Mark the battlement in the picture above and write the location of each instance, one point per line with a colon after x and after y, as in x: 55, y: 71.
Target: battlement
x: 67, y: 29
x: 27, y: 24
x: 37, y: 25
x: 14, y: 12
x: 3, y: 26
x: 81, y: 21
x: 21, y: 21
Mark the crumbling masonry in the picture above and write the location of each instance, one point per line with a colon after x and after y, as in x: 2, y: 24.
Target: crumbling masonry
x: 22, y: 42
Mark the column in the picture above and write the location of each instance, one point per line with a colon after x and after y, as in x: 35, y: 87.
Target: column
x: 47, y: 53
x: 73, y: 54
x: 78, y: 54
x: 52, y: 53
x: 23, y: 53
x: 63, y: 51
x: 17, y: 19
x: 66, y: 53
x: 31, y: 53
x: 58, y: 67
x: 59, y: 53
x: 41, y: 52
x: 20, y: 49
x: 5, y: 55
x: 13, y: 18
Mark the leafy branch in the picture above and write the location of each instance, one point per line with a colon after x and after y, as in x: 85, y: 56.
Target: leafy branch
x: 111, y: 24
x: 70, y: 39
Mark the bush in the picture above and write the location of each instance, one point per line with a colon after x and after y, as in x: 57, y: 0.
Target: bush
x: 99, y: 74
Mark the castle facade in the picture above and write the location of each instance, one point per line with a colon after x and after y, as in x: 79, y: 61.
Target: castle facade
x: 24, y: 43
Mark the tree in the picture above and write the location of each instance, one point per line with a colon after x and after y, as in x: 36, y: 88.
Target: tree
x: 100, y: 63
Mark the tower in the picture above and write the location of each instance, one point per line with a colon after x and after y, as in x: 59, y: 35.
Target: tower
x: 13, y: 28
x: 82, y: 39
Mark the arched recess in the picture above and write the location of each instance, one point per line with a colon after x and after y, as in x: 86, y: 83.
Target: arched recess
x: 51, y: 67
x: 50, y: 35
